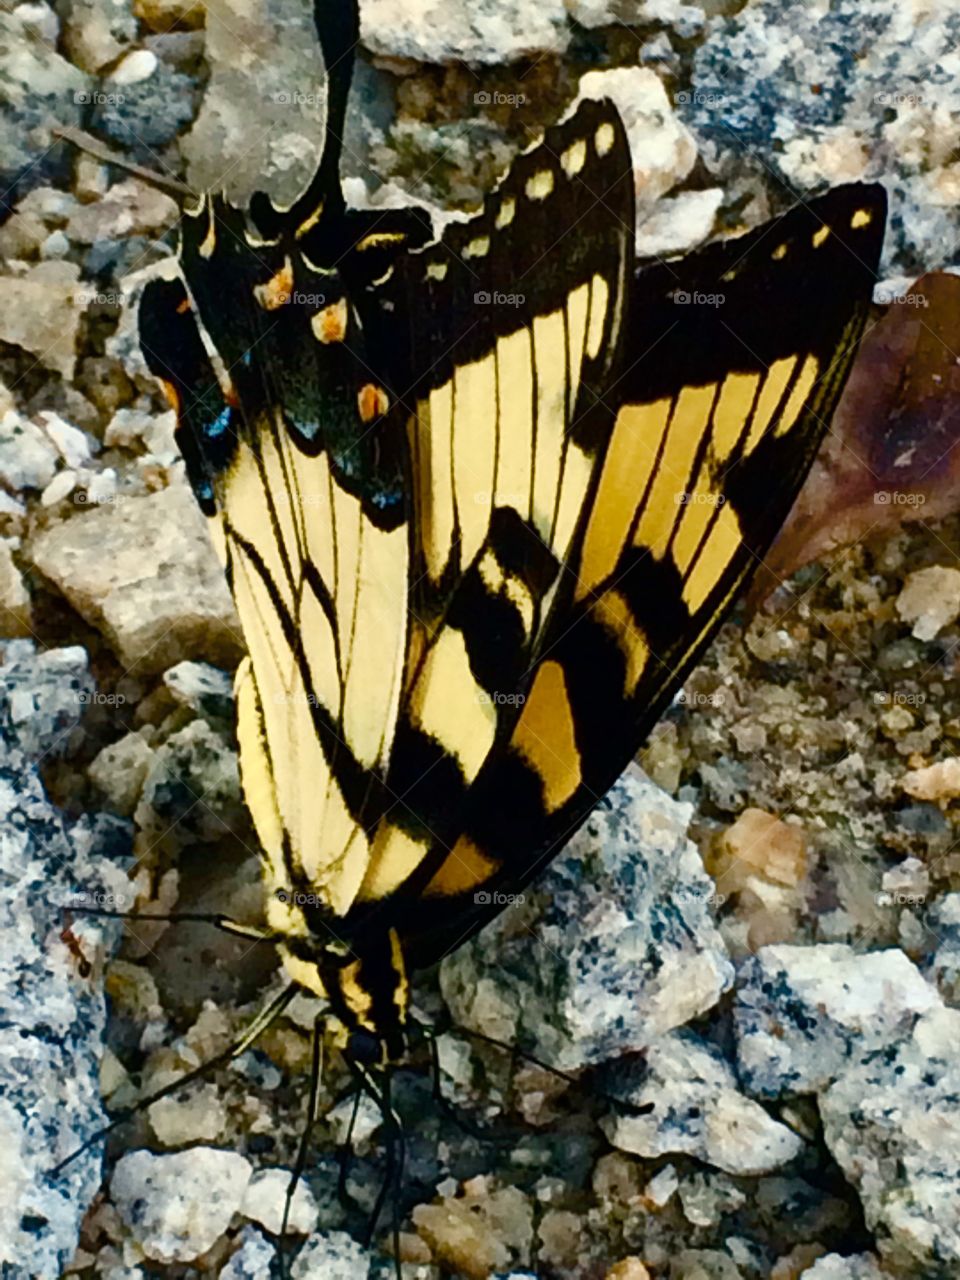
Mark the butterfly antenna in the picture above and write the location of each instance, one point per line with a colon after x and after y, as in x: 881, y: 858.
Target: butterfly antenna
x: 260, y: 1023
x: 179, y: 917
x: 84, y: 141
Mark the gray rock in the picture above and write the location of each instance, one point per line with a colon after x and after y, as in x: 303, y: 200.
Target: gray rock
x: 38, y: 90
x: 803, y: 1012
x: 479, y: 32
x: 98, y: 32
x: 943, y: 968
x: 331, y: 1255
x: 144, y: 573
x: 119, y: 771
x: 205, y: 689
x: 858, y: 1266
x: 261, y: 122
x: 698, y: 1111
x: 253, y: 1260
x: 613, y: 946
x: 15, y: 606
x: 888, y: 98
x: 147, y: 112
x: 53, y: 1014
x: 704, y: 1264
x: 893, y: 1125
x: 128, y: 208
x: 192, y: 787
x: 176, y: 1206
x: 43, y: 697
x: 40, y: 311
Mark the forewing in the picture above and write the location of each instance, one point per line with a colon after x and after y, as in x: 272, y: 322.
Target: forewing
x: 516, y: 320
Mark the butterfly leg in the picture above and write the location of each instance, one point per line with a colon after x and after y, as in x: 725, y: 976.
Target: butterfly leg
x: 316, y: 1073
x: 346, y: 1157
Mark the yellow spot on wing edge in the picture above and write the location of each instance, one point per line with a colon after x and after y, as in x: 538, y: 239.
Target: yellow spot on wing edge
x: 574, y: 158
x: 604, y: 138
x: 505, y: 213
x: 862, y: 218
x: 545, y: 737
x: 540, y: 185
x: 820, y: 236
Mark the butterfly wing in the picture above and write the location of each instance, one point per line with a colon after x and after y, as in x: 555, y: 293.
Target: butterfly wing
x: 736, y: 358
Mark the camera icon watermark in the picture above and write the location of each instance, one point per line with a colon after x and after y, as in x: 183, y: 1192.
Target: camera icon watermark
x: 898, y: 498
x: 682, y: 298
x: 484, y: 298
x: 493, y: 898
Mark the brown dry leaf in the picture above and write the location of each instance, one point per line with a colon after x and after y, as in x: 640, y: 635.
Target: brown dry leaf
x: 890, y: 455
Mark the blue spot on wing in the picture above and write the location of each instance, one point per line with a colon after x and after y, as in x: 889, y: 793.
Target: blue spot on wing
x: 215, y: 429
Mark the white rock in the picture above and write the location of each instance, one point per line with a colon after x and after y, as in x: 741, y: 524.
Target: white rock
x: 177, y: 1206
x: 698, y: 1111
x: 71, y: 443
x: 480, y: 32
x: 930, y: 600
x: 27, y: 458
x: 101, y: 487
x: 858, y: 1266
x: 266, y: 1197
x: 60, y: 487
x: 678, y: 223
x: 55, y: 247
x: 937, y: 781
x: 662, y: 1185
x: 801, y: 1011
x: 135, y: 429
x: 136, y: 66
x: 38, y: 21
x: 590, y: 991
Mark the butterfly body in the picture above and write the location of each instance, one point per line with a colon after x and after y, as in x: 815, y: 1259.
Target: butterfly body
x: 481, y: 498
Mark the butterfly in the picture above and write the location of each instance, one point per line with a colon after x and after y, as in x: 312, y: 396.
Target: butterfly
x: 482, y: 496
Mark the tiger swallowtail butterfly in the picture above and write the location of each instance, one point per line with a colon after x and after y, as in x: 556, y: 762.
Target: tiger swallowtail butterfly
x: 482, y: 498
